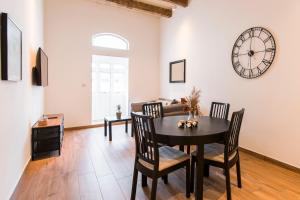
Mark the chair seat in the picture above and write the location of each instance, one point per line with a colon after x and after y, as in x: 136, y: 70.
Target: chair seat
x: 168, y: 157
x: 214, y: 152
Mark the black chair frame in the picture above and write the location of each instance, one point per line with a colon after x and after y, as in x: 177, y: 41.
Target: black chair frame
x: 231, y: 148
x: 153, y: 109
x: 156, y: 111
x: 147, y: 150
x: 219, y: 110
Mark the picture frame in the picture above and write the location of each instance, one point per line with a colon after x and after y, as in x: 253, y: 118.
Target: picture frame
x: 177, y: 71
x: 11, y: 50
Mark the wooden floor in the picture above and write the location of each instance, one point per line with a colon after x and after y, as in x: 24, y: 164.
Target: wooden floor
x: 91, y: 167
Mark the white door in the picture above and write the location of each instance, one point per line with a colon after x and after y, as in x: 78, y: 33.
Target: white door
x: 109, y: 86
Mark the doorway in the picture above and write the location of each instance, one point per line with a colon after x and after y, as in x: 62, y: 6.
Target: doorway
x: 109, y: 86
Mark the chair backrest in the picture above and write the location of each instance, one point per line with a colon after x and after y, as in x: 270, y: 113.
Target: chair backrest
x: 145, y: 139
x: 153, y: 109
x: 219, y: 110
x: 232, y: 136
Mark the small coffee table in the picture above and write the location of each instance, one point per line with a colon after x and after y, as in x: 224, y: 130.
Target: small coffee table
x: 110, y: 120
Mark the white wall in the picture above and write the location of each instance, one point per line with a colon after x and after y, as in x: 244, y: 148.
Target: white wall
x: 69, y: 26
x: 204, y: 34
x: 21, y: 104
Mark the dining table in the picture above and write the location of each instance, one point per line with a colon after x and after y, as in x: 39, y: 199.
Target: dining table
x: 209, y: 130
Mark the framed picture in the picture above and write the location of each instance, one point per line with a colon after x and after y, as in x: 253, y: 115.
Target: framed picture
x: 177, y: 71
x: 11, y: 50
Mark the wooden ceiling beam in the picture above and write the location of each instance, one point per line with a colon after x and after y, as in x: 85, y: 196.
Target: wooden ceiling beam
x: 183, y: 3
x: 132, y: 4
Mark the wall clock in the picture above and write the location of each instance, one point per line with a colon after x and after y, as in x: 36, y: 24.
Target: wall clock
x: 253, y: 52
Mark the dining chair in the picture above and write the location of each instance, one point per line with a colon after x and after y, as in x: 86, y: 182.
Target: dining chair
x: 225, y: 155
x: 153, y: 109
x: 152, y: 160
x: 156, y: 111
x: 219, y: 110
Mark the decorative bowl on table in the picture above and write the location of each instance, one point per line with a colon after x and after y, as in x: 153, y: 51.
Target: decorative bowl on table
x: 191, y: 123
x: 181, y: 123
x: 188, y: 123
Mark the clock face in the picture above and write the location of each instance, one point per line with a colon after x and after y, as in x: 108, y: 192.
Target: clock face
x: 253, y: 52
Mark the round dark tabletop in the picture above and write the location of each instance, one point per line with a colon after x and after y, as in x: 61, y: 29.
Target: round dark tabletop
x: 209, y: 130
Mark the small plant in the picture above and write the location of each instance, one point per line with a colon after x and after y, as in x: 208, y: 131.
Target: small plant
x: 118, y: 113
x: 118, y: 108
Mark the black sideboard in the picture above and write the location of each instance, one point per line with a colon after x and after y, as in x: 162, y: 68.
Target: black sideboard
x: 49, y: 137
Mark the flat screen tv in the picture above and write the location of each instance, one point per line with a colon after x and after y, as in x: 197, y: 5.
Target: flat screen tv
x: 41, y: 68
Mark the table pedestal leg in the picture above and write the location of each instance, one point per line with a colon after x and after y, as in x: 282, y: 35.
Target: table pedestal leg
x: 126, y: 126
x: 199, y: 172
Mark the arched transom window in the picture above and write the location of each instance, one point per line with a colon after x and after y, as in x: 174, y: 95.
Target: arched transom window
x: 110, y: 40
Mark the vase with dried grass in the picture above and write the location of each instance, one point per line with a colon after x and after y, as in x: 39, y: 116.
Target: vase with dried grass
x: 193, y: 106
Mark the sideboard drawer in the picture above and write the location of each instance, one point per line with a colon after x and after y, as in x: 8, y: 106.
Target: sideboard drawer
x: 47, y: 145
x: 46, y: 133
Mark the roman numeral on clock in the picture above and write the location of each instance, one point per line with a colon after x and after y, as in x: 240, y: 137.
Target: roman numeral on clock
x: 260, y: 32
x: 270, y: 50
x: 242, y: 72
x: 237, y: 64
x: 258, y: 71
x: 266, y: 62
x: 243, y: 38
x: 251, y: 33
x: 235, y: 55
x: 250, y: 73
x: 267, y: 39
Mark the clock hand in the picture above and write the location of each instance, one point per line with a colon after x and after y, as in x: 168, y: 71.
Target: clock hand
x: 259, y: 51
x: 243, y: 54
x: 250, y: 62
x: 250, y: 44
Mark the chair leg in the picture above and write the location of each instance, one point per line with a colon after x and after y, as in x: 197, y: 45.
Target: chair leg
x: 238, y: 173
x: 132, y: 130
x: 165, y: 178
x: 181, y: 148
x: 188, y: 180
x: 192, y: 175
x: 228, y: 188
x: 144, y: 180
x: 153, y: 189
x: 134, y: 183
x: 188, y: 149
x: 206, y: 170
